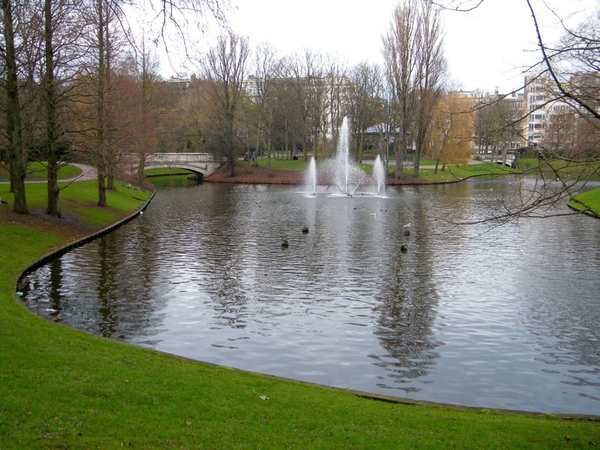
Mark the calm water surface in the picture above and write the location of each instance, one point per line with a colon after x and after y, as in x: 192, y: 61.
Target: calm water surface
x: 504, y: 317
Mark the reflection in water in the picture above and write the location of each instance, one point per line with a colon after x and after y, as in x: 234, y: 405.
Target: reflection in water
x: 503, y: 317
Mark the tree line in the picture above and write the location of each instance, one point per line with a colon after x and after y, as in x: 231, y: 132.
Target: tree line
x: 78, y: 84
x: 566, y: 80
x: 79, y: 78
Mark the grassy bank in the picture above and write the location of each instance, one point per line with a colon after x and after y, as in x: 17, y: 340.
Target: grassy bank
x: 559, y: 167
x: 588, y: 201
x: 37, y: 172
x: 427, y: 170
x: 61, y: 388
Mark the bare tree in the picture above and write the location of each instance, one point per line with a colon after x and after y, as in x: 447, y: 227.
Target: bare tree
x: 17, y: 160
x: 572, y: 66
x: 106, y: 17
x: 63, y: 28
x: 414, y: 63
x: 265, y: 69
x: 431, y: 72
x: 142, y: 106
x: 224, y: 69
x: 365, y: 93
x: 388, y: 129
x: 334, y: 106
x: 51, y: 96
x: 498, y: 125
x: 306, y: 78
x: 40, y: 53
x: 400, y: 53
x: 288, y: 120
x: 175, y: 23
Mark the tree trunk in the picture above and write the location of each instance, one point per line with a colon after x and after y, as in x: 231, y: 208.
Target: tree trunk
x: 361, y: 143
x: 400, y: 149
x: 230, y: 147
x: 110, y: 158
x: 141, y: 166
x: 101, y: 185
x: 258, y: 135
x: 100, y: 109
x: 52, y: 207
x: 17, y: 160
x: 418, y: 150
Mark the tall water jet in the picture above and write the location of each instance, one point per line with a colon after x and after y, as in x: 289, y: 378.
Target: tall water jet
x: 311, y: 176
x: 347, y: 176
x: 342, y: 160
x: 379, y: 175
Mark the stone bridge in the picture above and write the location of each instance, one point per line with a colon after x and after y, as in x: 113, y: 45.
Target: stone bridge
x: 199, y: 163
x: 496, y: 158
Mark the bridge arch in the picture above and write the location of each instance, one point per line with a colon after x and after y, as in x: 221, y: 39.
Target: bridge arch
x: 508, y: 160
x: 200, y: 173
x: 202, y: 164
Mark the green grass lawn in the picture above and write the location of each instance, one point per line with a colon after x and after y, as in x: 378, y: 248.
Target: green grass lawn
x: 560, y: 167
x: 263, y: 161
x: 457, y: 173
x: 588, y: 201
x: 37, y: 172
x: 62, y: 388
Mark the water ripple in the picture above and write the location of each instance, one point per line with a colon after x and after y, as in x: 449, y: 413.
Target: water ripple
x: 500, y: 318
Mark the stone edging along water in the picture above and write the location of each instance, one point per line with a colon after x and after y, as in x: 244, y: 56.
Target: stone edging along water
x: 78, y: 243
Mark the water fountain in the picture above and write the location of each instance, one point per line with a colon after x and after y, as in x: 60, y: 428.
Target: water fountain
x: 311, y: 176
x: 342, y: 160
x: 379, y: 175
x: 344, y: 174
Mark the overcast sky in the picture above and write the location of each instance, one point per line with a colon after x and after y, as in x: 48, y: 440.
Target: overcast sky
x: 486, y: 48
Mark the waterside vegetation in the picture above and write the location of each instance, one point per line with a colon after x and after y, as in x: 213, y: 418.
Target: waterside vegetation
x: 587, y: 202
x: 292, y: 171
x: 427, y: 174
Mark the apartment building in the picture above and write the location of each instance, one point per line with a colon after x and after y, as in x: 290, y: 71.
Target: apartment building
x: 543, y: 108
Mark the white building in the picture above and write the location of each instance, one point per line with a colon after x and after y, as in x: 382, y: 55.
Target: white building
x: 541, y: 106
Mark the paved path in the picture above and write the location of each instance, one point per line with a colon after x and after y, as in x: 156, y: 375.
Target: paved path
x: 87, y: 173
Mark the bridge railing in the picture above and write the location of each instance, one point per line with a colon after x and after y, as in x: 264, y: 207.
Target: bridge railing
x: 498, y: 158
x: 181, y: 157
x: 198, y: 162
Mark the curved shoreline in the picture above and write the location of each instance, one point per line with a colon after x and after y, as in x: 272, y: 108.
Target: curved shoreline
x: 79, y: 242
x: 66, y: 388
x: 361, y: 394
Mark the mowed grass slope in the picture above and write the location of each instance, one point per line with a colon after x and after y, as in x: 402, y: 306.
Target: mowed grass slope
x: 588, y: 201
x: 62, y: 388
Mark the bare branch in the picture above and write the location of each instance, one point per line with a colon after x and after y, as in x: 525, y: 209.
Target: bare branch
x: 547, y: 60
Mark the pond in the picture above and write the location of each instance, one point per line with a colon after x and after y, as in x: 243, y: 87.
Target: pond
x: 496, y: 317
